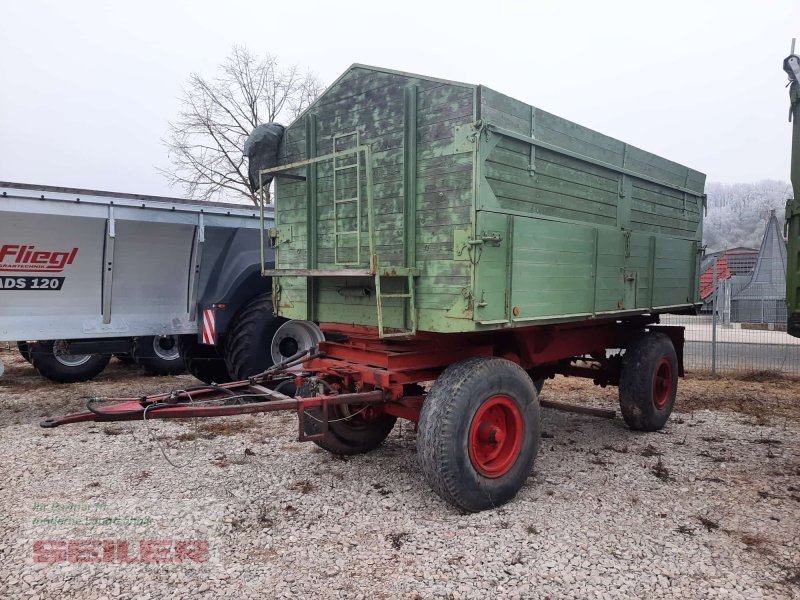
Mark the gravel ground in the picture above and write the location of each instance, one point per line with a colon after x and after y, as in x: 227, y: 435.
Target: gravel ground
x: 706, y: 508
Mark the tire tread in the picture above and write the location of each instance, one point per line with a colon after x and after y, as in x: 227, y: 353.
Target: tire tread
x: 243, y: 336
x: 439, y: 417
x: 635, y: 385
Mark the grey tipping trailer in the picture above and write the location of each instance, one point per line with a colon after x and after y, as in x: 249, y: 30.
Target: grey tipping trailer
x: 88, y: 271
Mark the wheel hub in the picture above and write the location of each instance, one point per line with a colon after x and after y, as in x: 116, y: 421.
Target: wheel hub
x: 662, y: 383
x: 165, y: 347
x: 495, y: 437
x: 66, y: 359
x: 489, y: 434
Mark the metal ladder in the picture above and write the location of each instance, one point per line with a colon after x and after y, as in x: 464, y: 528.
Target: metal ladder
x: 356, y: 270
x: 409, y: 307
x: 339, y: 170
x: 346, y: 165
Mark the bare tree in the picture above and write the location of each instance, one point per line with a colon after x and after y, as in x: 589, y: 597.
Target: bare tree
x: 205, y: 140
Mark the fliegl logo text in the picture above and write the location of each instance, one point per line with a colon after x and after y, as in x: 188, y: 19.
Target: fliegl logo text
x: 19, y: 258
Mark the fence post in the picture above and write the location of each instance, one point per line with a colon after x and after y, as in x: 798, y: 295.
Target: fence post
x: 714, y: 322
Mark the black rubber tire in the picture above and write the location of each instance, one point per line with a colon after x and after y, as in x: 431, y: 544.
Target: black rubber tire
x: 24, y: 350
x: 349, y: 430
x: 125, y: 359
x: 202, y: 361
x: 444, y: 428
x: 637, y: 381
x: 146, y: 358
x: 247, y: 348
x: 44, y: 360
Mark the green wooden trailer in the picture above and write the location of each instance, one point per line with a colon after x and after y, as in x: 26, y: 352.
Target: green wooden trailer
x: 409, y: 203
x: 432, y: 231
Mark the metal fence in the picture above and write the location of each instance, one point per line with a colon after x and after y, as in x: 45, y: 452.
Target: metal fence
x: 719, y: 345
x: 742, y: 324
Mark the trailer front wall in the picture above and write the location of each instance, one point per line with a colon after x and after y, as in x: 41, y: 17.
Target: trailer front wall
x: 422, y: 186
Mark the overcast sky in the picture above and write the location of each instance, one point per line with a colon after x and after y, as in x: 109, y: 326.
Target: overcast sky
x: 88, y: 87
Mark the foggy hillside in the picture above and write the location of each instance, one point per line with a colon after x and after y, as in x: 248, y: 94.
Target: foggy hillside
x: 737, y: 212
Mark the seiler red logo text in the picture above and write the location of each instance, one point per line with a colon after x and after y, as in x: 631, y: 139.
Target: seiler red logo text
x: 120, y: 551
x: 14, y: 257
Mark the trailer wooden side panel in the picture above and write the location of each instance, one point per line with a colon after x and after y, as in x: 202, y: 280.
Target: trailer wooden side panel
x: 503, y: 214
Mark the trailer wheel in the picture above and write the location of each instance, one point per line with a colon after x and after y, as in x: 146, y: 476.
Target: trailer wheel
x: 202, y: 361
x: 25, y: 350
x: 648, y: 382
x: 124, y: 358
x: 158, y: 355
x: 52, y: 361
x: 247, y: 351
x: 352, y: 429
x: 479, y: 432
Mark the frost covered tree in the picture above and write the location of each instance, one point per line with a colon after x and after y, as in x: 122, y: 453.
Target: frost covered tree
x: 737, y: 212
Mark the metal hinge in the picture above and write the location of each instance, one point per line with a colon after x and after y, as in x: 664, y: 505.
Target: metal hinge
x: 792, y: 209
x: 279, y: 235
x: 463, y: 243
x: 490, y: 239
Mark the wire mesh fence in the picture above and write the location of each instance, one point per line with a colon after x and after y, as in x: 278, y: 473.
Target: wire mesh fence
x: 736, y: 347
x: 742, y: 324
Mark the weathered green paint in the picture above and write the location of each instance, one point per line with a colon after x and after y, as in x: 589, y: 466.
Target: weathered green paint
x: 311, y: 210
x: 510, y: 215
x: 410, y: 174
x: 793, y: 209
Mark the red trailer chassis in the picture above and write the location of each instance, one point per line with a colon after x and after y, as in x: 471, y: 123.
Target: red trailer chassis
x: 382, y: 376
x: 479, y: 421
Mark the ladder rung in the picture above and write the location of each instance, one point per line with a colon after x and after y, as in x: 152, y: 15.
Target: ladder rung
x: 395, y: 295
x: 343, y: 200
x: 346, y: 233
x: 345, y: 167
x: 405, y: 333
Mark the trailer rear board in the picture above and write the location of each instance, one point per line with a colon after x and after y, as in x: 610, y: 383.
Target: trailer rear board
x: 86, y: 264
x: 412, y: 203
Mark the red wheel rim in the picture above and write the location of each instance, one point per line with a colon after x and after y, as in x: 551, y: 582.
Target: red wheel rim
x: 495, y: 436
x: 662, y: 384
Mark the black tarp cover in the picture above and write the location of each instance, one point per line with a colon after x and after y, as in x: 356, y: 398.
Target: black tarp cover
x: 261, y: 150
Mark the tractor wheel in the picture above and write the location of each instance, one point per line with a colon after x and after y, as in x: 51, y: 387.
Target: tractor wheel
x: 247, y: 350
x: 25, y: 350
x: 648, y: 382
x: 158, y: 355
x: 202, y: 361
x: 52, y: 361
x: 479, y: 432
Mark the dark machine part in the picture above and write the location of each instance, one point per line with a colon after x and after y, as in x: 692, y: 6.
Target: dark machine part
x: 791, y: 65
x: 261, y: 150
x: 235, y: 277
